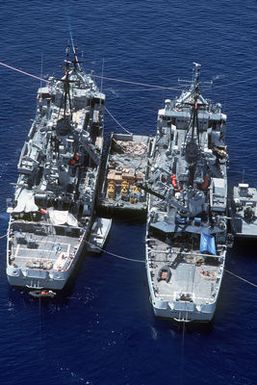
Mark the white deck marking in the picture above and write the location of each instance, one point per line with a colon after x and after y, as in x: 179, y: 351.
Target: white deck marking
x: 37, y: 258
x: 16, y: 251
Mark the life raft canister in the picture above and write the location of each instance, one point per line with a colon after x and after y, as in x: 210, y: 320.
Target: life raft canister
x: 74, y: 159
x: 205, y: 184
x: 173, y: 180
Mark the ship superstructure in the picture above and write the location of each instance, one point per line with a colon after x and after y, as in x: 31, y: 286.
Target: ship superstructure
x: 187, y: 207
x: 53, y: 208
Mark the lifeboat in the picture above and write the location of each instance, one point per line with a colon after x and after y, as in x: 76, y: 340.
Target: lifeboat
x: 42, y: 293
x: 174, y: 182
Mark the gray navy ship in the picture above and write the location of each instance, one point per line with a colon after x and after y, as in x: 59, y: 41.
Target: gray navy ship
x: 186, y: 234
x: 244, y: 212
x: 53, y: 208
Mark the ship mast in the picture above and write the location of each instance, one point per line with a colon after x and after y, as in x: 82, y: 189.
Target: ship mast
x: 76, y: 60
x: 191, y: 147
x: 66, y: 84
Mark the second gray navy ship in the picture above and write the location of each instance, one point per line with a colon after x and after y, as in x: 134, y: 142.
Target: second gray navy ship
x: 243, y: 212
x: 186, y: 234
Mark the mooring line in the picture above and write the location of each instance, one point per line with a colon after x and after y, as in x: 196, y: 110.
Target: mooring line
x: 154, y: 86
x: 182, y: 355
x: 116, y: 255
x: 142, y: 261
x: 241, y: 278
x: 116, y: 121
x: 23, y: 72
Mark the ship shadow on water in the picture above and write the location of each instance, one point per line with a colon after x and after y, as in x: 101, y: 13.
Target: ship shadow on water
x: 244, y: 247
x: 242, y: 255
x: 204, y: 328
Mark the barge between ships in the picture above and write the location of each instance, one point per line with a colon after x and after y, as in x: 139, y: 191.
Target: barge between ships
x: 125, y: 167
x: 53, y: 208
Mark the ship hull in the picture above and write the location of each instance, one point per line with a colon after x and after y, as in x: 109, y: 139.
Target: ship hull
x: 180, y: 311
x: 183, y: 312
x: 38, y: 279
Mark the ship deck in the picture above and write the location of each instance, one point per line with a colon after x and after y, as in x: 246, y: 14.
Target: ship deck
x: 29, y: 250
x: 194, y: 277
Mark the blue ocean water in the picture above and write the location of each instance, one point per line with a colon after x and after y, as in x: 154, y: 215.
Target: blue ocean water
x: 102, y: 331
